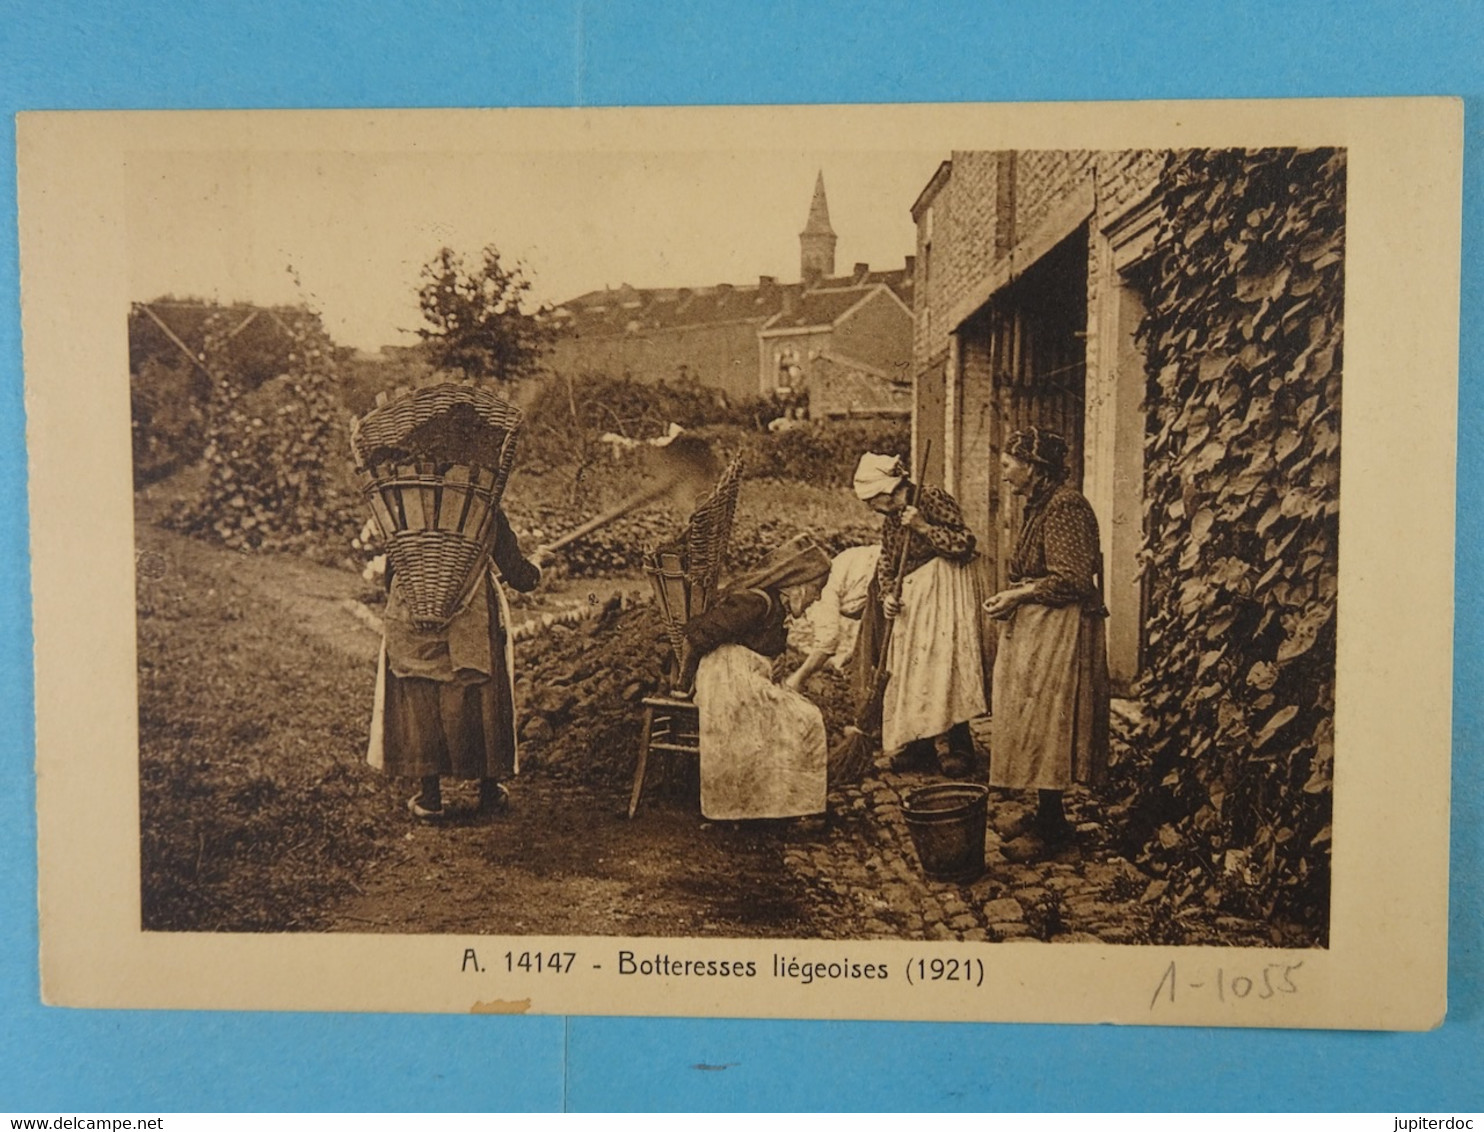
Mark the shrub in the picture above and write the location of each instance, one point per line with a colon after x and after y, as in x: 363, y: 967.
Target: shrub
x: 167, y: 418
x: 278, y: 456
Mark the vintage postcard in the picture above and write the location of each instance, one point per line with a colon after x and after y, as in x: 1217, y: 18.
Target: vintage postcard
x: 918, y: 562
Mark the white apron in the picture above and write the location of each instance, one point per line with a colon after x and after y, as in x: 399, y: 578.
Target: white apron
x: 937, y: 669
x: 763, y: 749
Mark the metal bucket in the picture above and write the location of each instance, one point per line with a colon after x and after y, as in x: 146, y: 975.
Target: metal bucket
x: 947, y: 823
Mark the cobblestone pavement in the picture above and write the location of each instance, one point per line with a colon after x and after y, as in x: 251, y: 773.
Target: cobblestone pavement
x: 869, y: 884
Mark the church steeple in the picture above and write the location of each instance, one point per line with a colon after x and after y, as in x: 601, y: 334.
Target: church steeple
x: 817, y: 240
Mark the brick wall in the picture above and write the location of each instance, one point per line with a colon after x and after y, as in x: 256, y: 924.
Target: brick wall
x: 964, y: 216
x: 971, y: 236
x: 838, y: 387
x: 721, y: 356
x: 1044, y: 179
x: 879, y: 333
x: 927, y: 416
x: 1126, y: 177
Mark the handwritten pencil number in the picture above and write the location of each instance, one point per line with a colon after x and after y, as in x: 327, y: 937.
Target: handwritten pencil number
x: 1273, y: 979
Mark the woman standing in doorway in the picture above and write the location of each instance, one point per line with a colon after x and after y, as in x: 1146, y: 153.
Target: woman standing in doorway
x: 1049, y: 726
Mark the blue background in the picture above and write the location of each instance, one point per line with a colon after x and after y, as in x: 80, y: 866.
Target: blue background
x: 278, y: 53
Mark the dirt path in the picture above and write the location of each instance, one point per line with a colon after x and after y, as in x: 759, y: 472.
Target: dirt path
x: 566, y: 860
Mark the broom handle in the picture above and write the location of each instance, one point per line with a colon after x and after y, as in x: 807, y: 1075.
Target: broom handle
x: 927, y: 447
x: 617, y: 511
x: 878, y: 683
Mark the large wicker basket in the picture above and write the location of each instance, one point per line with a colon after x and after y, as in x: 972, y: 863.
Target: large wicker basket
x: 435, y: 508
x: 685, y: 572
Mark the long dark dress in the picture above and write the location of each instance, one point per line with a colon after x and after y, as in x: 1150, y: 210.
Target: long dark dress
x: 447, y: 702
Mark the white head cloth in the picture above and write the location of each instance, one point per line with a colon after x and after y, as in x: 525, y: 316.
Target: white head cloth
x: 877, y: 475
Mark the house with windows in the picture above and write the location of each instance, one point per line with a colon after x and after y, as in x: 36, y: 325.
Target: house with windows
x: 1035, y: 273
x: 840, y: 343
x: 1178, y: 317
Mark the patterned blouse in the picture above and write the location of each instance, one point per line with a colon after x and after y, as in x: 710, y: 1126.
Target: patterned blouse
x: 1058, y: 549
x: 947, y: 536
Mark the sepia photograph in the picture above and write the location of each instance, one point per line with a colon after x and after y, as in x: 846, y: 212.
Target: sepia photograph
x: 469, y: 604
x: 809, y: 543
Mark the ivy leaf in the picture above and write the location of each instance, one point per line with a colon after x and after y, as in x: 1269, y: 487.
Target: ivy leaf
x: 1200, y: 525
x: 1319, y: 781
x: 1305, y: 632
x: 1269, y: 517
x: 1245, y: 483
x: 1208, y: 457
x: 1276, y: 721
x: 1230, y: 715
x: 1262, y: 675
x: 1208, y: 659
x: 1299, y: 501
x: 1229, y: 572
x: 1212, y: 367
x: 1275, y: 547
x: 1286, y: 445
x: 1324, y: 438
x: 1219, y: 627
x: 1320, y: 363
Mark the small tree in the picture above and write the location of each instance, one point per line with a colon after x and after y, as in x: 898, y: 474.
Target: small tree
x: 476, y: 316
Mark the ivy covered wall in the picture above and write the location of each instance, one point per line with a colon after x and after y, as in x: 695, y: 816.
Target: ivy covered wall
x: 1230, y: 779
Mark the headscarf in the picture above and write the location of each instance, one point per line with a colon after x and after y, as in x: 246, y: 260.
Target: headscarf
x: 797, y: 562
x: 877, y: 475
x: 1045, y: 449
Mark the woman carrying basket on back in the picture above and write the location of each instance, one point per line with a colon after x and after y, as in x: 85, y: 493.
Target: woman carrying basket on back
x: 433, y: 464
x: 445, y: 699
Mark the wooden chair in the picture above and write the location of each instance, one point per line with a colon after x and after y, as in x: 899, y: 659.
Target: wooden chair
x: 670, y: 725
x: 684, y: 574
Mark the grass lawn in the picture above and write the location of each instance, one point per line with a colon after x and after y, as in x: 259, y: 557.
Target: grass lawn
x: 256, y: 810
